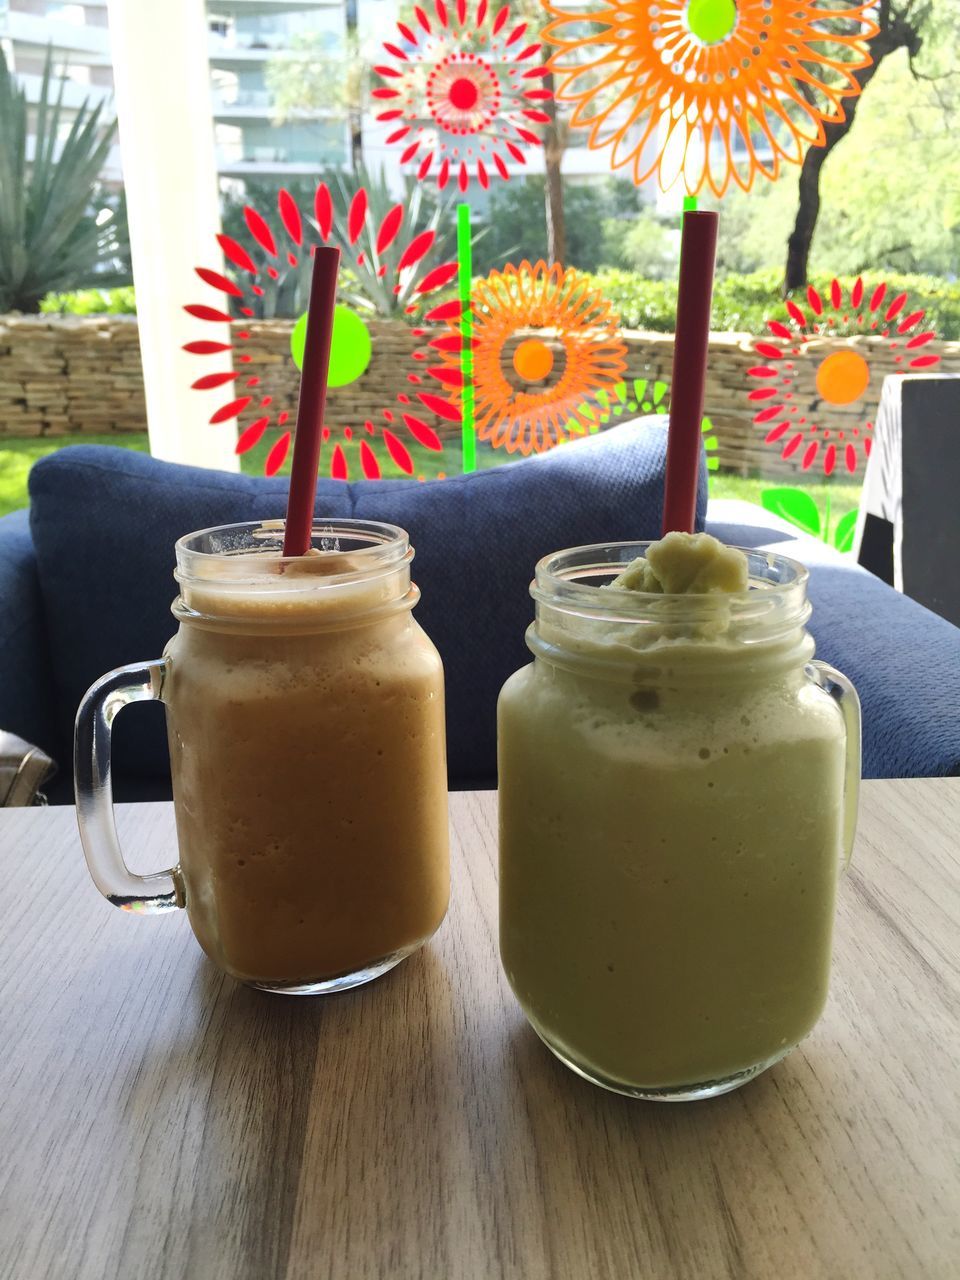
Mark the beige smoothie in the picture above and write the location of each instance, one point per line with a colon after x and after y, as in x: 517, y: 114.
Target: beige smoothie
x: 306, y: 732
x: 670, y: 832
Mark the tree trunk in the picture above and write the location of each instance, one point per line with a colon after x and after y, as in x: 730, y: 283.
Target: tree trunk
x: 356, y: 141
x: 895, y: 32
x: 553, y: 186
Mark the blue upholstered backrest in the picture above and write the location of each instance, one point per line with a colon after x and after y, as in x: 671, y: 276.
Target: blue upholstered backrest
x: 903, y: 659
x: 105, y: 521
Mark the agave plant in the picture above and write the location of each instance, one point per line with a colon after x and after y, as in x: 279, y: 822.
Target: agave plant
x: 364, y: 286
x: 50, y: 235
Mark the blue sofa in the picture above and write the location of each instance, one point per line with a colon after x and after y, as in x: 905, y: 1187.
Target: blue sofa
x: 86, y: 583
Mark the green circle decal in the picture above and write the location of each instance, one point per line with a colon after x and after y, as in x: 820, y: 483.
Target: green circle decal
x: 350, y: 349
x: 711, y: 20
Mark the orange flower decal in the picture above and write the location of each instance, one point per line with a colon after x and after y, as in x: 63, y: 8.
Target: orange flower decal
x: 707, y: 90
x: 532, y: 394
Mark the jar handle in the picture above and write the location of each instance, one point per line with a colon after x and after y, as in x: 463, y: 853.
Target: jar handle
x: 161, y: 890
x: 836, y: 684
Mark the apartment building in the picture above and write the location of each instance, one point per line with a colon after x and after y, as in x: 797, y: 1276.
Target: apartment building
x: 244, y: 36
x: 80, y: 39
x: 246, y: 39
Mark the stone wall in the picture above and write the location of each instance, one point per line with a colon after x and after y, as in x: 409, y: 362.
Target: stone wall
x: 70, y: 375
x: 76, y: 375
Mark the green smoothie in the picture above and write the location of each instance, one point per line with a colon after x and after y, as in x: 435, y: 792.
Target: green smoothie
x: 670, y: 829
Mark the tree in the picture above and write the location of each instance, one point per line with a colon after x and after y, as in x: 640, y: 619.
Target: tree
x: 55, y: 231
x: 322, y: 69
x: 553, y: 148
x: 902, y: 24
x: 555, y: 135
x: 515, y: 226
x: 646, y: 245
x: 890, y: 196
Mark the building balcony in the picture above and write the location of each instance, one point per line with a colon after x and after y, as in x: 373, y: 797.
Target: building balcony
x: 74, y: 95
x: 247, y: 8
x: 279, y: 168
x: 263, y: 161
x: 230, y: 54
x: 241, y: 99
x: 89, y: 45
x: 236, y: 114
x: 259, y: 104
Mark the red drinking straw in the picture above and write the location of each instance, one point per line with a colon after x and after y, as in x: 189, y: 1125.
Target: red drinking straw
x: 313, y: 395
x: 698, y: 247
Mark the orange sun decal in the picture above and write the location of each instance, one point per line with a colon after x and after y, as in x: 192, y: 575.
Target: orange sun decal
x: 392, y: 263
x: 799, y: 416
x: 545, y: 345
x: 706, y: 90
x: 462, y: 89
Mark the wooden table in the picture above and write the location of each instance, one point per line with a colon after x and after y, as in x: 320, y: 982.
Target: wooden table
x: 158, y: 1120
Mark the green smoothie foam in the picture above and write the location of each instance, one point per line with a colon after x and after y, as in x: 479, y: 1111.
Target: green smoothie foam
x: 686, y: 564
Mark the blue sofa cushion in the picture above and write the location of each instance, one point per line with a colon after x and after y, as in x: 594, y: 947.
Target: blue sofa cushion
x: 105, y: 521
x: 26, y: 678
x: 903, y: 659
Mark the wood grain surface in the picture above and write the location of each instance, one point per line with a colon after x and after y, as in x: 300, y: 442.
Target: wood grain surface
x: 158, y: 1120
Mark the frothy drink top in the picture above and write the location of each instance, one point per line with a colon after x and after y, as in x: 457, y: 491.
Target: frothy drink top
x: 688, y: 591
x: 318, y: 590
x: 686, y: 564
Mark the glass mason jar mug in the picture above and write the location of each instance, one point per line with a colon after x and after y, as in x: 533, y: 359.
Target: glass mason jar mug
x: 678, y: 792
x: 306, y: 729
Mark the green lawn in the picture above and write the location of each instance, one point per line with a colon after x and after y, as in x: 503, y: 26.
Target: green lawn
x: 17, y: 456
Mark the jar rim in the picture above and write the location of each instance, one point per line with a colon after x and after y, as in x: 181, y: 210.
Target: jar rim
x: 370, y: 548
x: 776, y: 583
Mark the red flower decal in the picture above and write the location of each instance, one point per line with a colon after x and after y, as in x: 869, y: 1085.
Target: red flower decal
x: 400, y: 266
x: 461, y: 91
x: 805, y: 424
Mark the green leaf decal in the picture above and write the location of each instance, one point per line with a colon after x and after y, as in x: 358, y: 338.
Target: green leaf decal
x: 794, y: 505
x: 710, y: 443
x: 843, y: 534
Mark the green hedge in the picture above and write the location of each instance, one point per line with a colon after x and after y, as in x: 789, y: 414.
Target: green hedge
x: 741, y: 303
x: 744, y: 303
x: 91, y: 302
